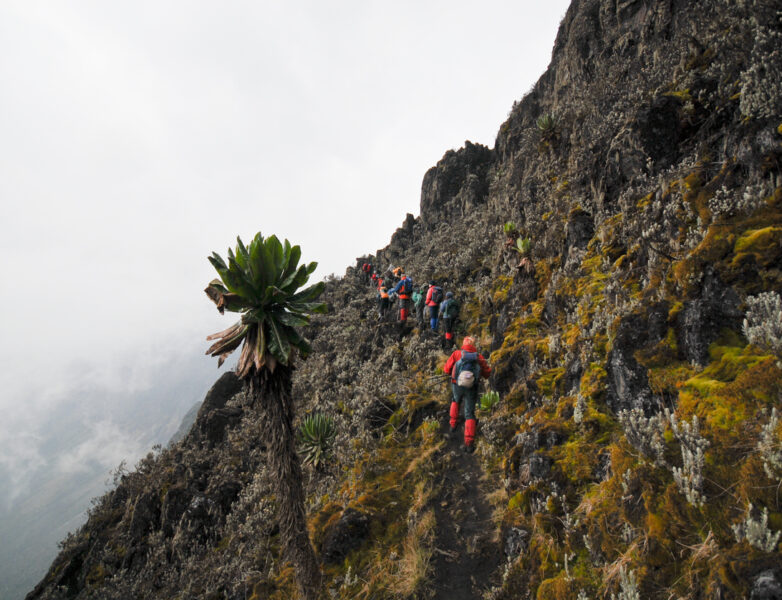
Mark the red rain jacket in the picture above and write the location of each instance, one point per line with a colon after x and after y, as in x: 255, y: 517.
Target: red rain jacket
x: 457, y: 355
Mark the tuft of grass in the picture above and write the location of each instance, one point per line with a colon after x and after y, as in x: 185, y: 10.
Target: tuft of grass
x: 415, y: 563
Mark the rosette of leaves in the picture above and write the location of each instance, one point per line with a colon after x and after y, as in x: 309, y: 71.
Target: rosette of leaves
x: 523, y: 246
x: 262, y: 283
x: 509, y: 228
x: 547, y: 124
x: 489, y: 400
x: 316, y: 438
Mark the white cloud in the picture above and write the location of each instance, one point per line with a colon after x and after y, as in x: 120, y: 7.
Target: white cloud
x: 105, y: 446
x: 139, y: 137
x: 20, y: 461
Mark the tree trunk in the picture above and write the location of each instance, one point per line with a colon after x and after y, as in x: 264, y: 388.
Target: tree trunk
x: 273, y: 392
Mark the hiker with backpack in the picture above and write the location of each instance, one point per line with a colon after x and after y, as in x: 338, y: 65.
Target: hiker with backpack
x: 449, y: 312
x: 466, y: 367
x: 419, y: 301
x: 433, y: 298
x: 383, y: 303
x: 404, y: 289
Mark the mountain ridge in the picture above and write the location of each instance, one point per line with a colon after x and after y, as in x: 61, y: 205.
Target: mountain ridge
x: 635, y: 445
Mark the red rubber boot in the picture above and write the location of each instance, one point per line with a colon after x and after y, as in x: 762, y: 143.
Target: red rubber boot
x: 454, y: 415
x: 469, y: 434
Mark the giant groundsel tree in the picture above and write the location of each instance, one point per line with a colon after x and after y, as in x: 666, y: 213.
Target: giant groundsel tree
x: 262, y: 282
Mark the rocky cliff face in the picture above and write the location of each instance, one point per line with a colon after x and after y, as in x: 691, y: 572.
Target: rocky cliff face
x: 635, y: 448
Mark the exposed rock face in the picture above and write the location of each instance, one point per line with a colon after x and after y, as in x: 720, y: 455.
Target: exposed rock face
x: 456, y: 185
x: 214, y: 418
x: 628, y: 386
x: 766, y: 587
x: 652, y: 193
x: 702, y: 319
x: 347, y: 534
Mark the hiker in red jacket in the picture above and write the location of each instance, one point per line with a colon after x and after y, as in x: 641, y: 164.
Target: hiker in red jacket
x: 433, y: 298
x: 465, y: 367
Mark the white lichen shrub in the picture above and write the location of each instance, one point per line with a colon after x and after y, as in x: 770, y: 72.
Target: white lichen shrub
x: 628, y: 586
x: 770, y: 447
x: 554, y: 344
x: 579, y: 409
x: 689, y: 478
x: 763, y: 321
x: 727, y: 203
x: 645, y: 434
x: 761, y: 83
x: 757, y: 533
x: 582, y: 595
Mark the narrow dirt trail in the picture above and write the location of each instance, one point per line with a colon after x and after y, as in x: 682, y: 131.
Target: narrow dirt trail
x: 467, y: 554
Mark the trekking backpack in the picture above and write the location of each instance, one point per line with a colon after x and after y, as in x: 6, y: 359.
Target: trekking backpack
x: 450, y: 308
x: 407, y: 286
x: 467, y: 369
x: 437, y: 294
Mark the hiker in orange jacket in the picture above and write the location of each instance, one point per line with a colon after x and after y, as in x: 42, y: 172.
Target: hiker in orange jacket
x: 466, y: 367
x: 383, y: 303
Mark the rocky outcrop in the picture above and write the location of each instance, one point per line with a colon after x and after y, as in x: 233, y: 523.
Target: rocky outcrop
x: 346, y: 535
x: 456, y: 185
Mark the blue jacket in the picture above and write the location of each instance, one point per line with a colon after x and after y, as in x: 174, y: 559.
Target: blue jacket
x: 400, y: 286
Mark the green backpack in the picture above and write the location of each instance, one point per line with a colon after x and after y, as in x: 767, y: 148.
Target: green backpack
x: 450, y: 308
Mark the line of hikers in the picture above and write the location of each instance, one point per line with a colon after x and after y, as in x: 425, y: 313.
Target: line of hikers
x: 464, y: 366
x: 429, y: 300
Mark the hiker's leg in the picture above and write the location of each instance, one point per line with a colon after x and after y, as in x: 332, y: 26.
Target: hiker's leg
x: 448, y: 326
x: 403, y: 309
x: 455, y: 405
x: 470, y: 398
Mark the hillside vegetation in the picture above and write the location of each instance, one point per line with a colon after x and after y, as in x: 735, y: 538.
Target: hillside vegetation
x: 636, y: 449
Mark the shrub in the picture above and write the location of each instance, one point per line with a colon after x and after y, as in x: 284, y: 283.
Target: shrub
x: 628, y: 586
x: 763, y: 322
x: 645, y: 434
x: 757, y: 533
x: 689, y: 478
x: 770, y: 446
x: 489, y: 400
x: 316, y: 438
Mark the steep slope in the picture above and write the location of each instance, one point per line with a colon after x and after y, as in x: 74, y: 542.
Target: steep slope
x: 634, y: 450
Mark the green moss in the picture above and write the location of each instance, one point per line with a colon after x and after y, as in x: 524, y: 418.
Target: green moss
x: 593, y: 381
x: 515, y: 502
x: 729, y: 359
x: 577, y: 459
x: 549, y: 380
x: 501, y: 289
x: 96, y: 576
x: 764, y: 245
x: 645, y: 201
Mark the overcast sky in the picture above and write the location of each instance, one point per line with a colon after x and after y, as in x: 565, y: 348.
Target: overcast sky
x: 137, y: 137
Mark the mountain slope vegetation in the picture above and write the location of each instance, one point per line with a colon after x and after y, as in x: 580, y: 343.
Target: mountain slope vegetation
x: 635, y: 450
